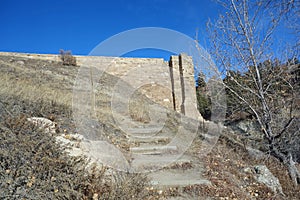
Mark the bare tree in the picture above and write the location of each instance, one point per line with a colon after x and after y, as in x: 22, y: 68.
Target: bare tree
x: 243, y: 44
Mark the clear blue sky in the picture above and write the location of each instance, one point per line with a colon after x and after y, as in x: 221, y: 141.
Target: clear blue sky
x: 45, y: 26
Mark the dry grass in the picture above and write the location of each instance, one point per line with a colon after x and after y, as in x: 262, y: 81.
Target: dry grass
x: 225, y: 167
x: 30, y: 91
x: 33, y: 165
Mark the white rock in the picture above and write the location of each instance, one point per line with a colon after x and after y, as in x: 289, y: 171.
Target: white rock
x: 263, y: 175
x: 46, y: 124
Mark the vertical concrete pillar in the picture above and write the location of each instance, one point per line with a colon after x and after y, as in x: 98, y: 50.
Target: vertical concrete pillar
x: 189, y: 98
x: 175, y: 81
x: 183, y: 85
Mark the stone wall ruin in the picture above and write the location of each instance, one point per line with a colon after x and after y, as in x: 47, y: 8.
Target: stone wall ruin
x: 169, y: 83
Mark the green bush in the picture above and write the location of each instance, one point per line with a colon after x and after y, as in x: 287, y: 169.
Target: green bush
x: 203, y: 100
x: 204, y: 105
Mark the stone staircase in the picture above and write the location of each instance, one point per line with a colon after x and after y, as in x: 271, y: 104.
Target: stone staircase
x: 156, y: 150
x: 163, y: 163
x: 152, y: 153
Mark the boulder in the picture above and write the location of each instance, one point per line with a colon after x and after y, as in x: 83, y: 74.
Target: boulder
x: 264, y: 176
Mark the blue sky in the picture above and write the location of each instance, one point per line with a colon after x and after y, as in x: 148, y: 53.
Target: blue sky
x: 47, y: 26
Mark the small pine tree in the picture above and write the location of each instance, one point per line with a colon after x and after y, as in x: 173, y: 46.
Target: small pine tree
x: 203, y: 100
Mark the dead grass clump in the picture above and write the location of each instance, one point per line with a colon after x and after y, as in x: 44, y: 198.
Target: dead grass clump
x: 27, y: 89
x: 229, y: 170
x: 183, y: 166
x: 118, y: 185
x: 34, y: 166
x: 228, y: 178
x: 67, y: 58
x: 277, y: 168
x: 15, y: 106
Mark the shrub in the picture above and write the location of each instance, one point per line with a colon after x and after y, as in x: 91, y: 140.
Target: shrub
x: 203, y: 99
x: 67, y: 58
x: 204, y: 105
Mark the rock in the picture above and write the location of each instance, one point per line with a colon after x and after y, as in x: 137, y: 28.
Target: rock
x: 255, y: 153
x: 20, y: 62
x: 264, y: 176
x: 248, y: 127
x: 247, y: 170
x: 46, y: 124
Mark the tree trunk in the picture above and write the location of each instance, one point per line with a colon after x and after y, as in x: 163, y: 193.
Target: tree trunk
x: 288, y: 161
x: 293, y: 170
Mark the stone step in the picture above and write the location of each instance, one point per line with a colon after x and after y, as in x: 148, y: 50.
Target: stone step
x: 146, y: 139
x: 183, y: 198
x: 144, y: 131
x: 158, y: 162
x: 153, y: 150
x: 177, y: 178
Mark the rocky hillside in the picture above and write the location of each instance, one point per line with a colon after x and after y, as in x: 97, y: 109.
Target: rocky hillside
x: 36, y: 164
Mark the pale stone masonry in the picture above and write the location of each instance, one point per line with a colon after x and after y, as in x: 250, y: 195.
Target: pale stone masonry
x: 183, y: 84
x: 170, y: 84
